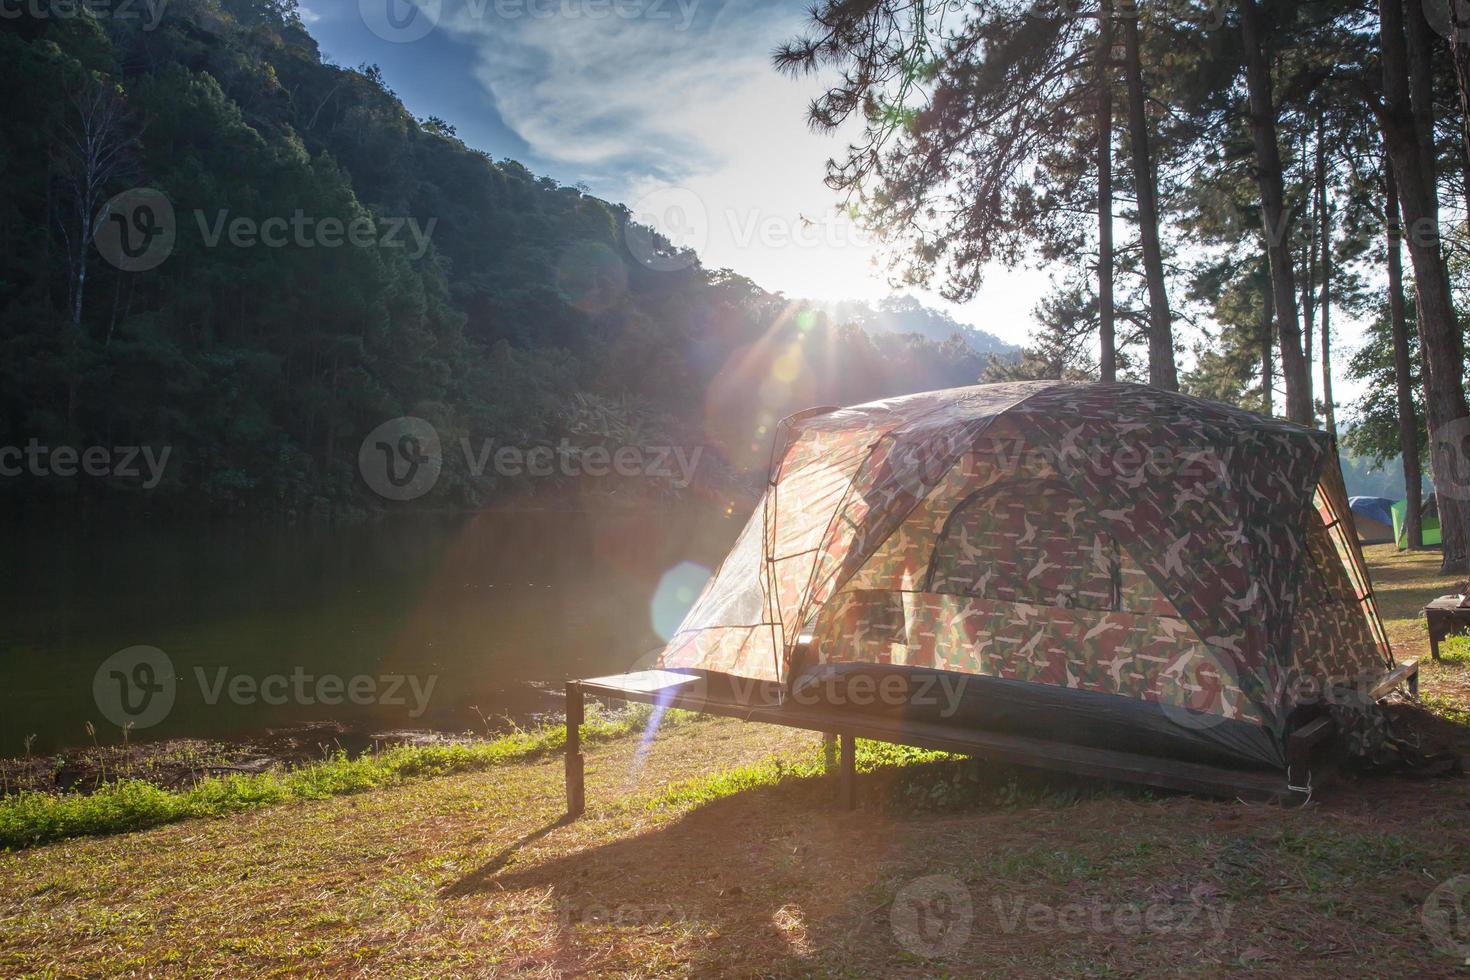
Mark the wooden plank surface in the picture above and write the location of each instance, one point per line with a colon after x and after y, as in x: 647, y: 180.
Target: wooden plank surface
x: 1154, y: 771
x: 1406, y: 671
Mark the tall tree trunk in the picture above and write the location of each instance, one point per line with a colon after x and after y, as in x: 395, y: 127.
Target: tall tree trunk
x: 1406, y: 118
x: 1309, y: 276
x: 1275, y: 221
x: 1324, y: 231
x: 1449, y: 456
x: 1460, y: 51
x: 1465, y: 159
x: 1108, y: 362
x: 1162, y: 372
x: 1268, y: 359
x: 79, y: 270
x: 1402, y: 376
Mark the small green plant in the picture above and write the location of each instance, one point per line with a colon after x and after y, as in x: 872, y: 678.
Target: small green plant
x: 1455, y: 649
x: 101, y: 759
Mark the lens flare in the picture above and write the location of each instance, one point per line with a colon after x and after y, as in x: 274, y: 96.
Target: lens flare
x: 676, y: 592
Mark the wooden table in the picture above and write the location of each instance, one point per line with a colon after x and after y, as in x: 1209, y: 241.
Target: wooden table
x: 678, y: 689
x: 1443, y: 615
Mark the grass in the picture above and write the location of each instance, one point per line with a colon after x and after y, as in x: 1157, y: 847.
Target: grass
x: 716, y: 848
x: 30, y: 818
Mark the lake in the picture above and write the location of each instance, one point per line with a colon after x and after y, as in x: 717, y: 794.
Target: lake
x: 422, y: 623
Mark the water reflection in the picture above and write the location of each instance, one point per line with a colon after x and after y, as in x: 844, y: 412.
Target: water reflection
x: 488, y: 606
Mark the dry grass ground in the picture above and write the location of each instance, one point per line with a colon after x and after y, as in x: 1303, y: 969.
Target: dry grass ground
x: 678, y: 869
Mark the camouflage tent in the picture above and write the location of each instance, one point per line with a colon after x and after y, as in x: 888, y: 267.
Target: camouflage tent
x: 1118, y: 549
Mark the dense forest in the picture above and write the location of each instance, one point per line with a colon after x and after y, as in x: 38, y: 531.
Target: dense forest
x: 266, y: 342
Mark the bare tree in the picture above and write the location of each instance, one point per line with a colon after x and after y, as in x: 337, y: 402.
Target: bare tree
x: 92, y: 146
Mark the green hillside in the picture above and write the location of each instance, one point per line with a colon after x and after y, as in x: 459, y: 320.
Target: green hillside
x: 267, y: 341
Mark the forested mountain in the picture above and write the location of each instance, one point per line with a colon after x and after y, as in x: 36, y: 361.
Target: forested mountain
x: 331, y: 262
x: 905, y: 314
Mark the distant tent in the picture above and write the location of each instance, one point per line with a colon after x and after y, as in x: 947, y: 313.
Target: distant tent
x: 1428, y: 515
x: 1373, y: 519
x: 1100, y: 564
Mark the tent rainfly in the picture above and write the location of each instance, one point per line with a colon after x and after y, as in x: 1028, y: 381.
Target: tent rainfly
x: 1428, y: 522
x: 1373, y: 519
x: 1105, y: 564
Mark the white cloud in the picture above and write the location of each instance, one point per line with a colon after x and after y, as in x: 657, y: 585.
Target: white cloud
x: 639, y: 106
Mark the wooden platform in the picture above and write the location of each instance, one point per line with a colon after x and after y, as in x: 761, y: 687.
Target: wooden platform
x: 1310, y: 755
x: 1444, y: 616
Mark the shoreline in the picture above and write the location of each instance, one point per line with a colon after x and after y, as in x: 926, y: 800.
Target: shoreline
x: 181, y: 762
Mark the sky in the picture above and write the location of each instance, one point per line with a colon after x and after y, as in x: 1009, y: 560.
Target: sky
x: 668, y: 106
x: 671, y: 107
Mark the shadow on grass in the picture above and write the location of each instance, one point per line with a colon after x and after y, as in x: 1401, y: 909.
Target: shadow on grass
x: 775, y: 870
x: 725, y: 868
x: 472, y: 882
x: 1404, y: 583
